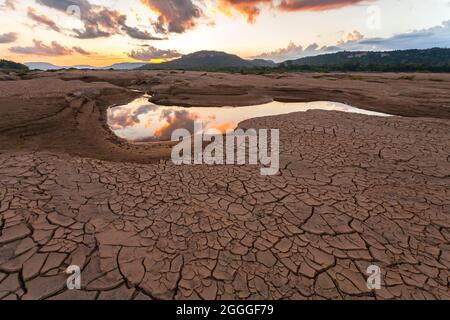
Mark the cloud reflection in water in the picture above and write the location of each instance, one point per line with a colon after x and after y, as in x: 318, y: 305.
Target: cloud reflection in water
x: 142, y: 121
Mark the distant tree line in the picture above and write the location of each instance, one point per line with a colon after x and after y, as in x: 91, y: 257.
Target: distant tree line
x: 348, y: 67
x: 359, y: 67
x: 428, y: 60
x: 13, y: 66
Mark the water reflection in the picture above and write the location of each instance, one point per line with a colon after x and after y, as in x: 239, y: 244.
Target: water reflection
x: 143, y: 121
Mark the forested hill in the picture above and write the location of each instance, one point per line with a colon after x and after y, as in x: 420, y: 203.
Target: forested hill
x: 436, y: 59
x: 210, y: 60
x: 10, y: 65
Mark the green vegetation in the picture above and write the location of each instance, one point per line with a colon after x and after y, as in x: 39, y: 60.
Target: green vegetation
x: 210, y: 61
x: 12, y: 66
x: 429, y: 60
x: 357, y: 67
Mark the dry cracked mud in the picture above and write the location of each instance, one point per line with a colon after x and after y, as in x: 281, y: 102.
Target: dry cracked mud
x: 352, y: 191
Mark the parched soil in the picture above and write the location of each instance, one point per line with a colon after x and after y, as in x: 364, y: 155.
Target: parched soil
x: 70, y: 117
x: 410, y: 95
x: 353, y: 191
x: 66, y: 111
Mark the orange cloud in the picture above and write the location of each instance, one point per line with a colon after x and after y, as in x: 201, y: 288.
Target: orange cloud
x: 315, y: 5
x: 223, y: 127
x: 252, y: 8
x: 174, y: 16
x: 249, y: 8
x: 179, y: 119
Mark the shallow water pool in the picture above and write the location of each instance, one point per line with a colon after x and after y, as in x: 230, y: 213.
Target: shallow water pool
x: 143, y: 121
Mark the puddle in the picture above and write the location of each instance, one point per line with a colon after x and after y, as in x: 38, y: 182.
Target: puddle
x: 143, y: 121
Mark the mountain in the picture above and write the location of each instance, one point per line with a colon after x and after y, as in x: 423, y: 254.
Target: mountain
x: 10, y: 65
x: 118, y: 66
x: 41, y: 66
x: 435, y: 59
x: 81, y: 66
x: 209, y: 60
x: 263, y: 63
x: 428, y: 60
x: 126, y: 66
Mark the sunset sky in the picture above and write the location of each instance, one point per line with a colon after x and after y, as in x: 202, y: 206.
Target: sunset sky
x: 103, y: 32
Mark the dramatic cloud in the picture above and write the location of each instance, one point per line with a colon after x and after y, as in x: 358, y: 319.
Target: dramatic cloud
x: 138, y: 34
x: 438, y: 36
x: 39, y: 48
x: 175, y: 16
x: 8, y: 37
x: 81, y: 51
x: 121, y: 118
x: 252, y: 8
x: 151, y: 53
x: 42, y: 19
x: 179, y: 119
x: 98, y: 21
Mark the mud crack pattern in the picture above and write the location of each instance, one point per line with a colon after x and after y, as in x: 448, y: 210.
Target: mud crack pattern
x: 352, y: 191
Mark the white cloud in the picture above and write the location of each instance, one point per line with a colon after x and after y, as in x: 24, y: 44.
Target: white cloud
x: 438, y: 36
x: 150, y: 53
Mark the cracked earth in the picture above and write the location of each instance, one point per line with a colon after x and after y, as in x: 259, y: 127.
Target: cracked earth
x: 352, y: 191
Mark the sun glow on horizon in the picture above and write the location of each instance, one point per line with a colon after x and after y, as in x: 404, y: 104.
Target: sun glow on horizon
x: 42, y: 33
